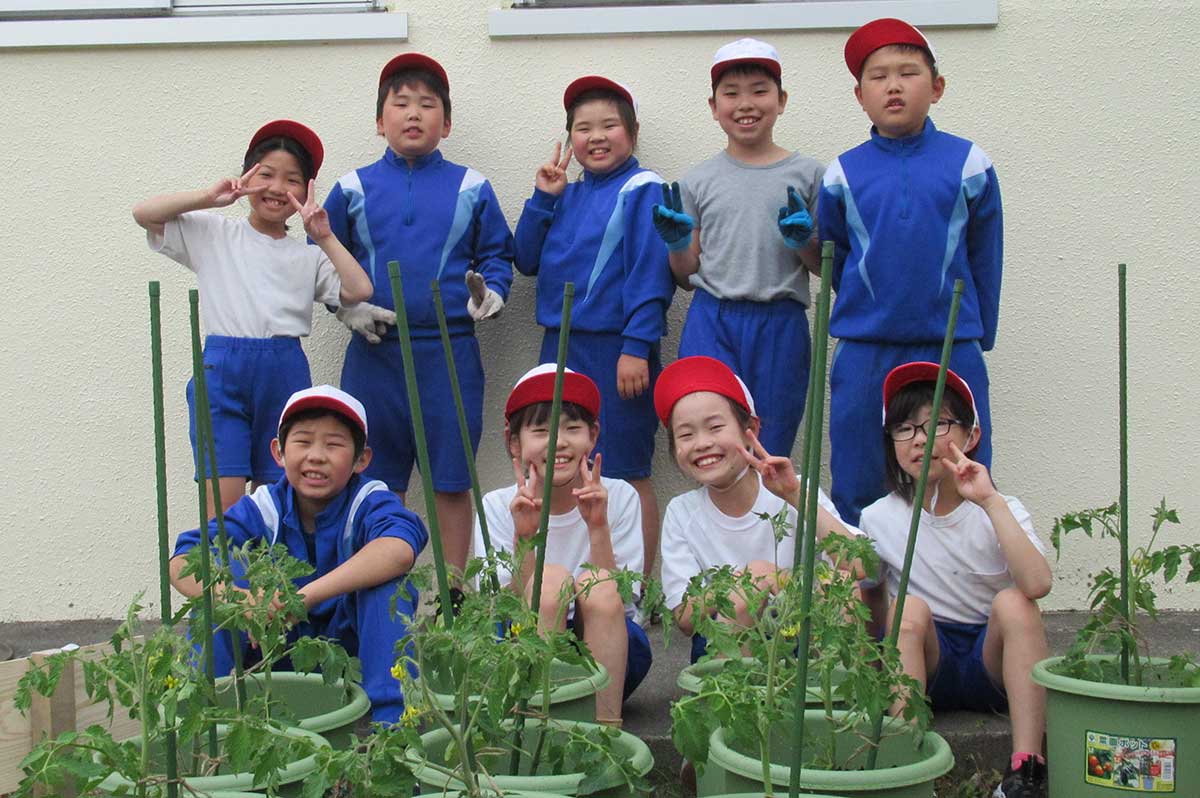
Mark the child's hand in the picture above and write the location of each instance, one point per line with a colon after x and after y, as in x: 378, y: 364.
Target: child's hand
x: 231, y: 189
x: 526, y: 506
x: 369, y: 321
x: 795, y: 223
x: 484, y: 302
x: 970, y: 477
x: 593, y: 496
x: 673, y: 225
x: 633, y: 376
x: 315, y: 218
x: 552, y: 176
x: 778, y: 474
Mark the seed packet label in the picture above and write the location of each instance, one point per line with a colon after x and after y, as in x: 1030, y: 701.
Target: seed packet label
x: 1136, y: 764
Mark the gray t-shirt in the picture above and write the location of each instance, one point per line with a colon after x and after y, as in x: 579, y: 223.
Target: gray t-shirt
x: 736, y: 206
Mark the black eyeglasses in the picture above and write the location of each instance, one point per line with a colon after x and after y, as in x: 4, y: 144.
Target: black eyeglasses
x: 906, y: 431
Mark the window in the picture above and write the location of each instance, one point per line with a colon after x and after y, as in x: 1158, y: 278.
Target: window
x: 595, y: 17
x: 80, y: 23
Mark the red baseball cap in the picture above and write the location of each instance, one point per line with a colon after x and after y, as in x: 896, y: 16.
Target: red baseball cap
x: 537, y: 385
x: 302, y: 134
x: 923, y: 371
x: 880, y: 33
x: 330, y: 398
x: 413, y: 61
x: 698, y: 373
x: 746, y: 51
x: 589, y: 82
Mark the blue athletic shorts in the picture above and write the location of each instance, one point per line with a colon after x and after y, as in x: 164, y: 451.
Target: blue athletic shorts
x: 374, y: 374
x: 961, y: 681
x: 249, y: 381
x: 638, y: 659
x: 766, y: 344
x: 627, y: 426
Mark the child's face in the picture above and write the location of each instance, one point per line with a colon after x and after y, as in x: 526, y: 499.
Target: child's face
x: 280, y: 172
x: 710, y: 444
x: 910, y: 453
x: 318, y: 458
x: 413, y: 121
x: 746, y: 107
x: 599, y: 139
x: 576, y: 439
x: 896, y: 91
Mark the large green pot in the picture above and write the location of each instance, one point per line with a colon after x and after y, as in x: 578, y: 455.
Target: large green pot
x: 291, y: 776
x: 433, y: 748
x: 1148, y: 737
x: 692, y: 677
x: 573, y: 691
x: 330, y: 710
x: 902, y: 771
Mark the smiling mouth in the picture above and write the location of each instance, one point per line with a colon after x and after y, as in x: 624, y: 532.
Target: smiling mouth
x: 273, y: 202
x: 746, y: 121
x: 707, y: 460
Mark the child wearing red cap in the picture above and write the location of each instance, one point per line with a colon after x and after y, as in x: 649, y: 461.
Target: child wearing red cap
x: 257, y: 287
x: 971, y: 630
x: 909, y: 211
x: 593, y: 520
x: 441, y: 221
x: 723, y: 225
x: 711, y: 423
x: 359, y: 538
x: 597, y: 233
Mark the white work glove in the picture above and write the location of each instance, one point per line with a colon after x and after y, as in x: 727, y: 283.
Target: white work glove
x: 484, y: 302
x: 369, y: 321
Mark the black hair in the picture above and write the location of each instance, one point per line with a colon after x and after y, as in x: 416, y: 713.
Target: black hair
x: 740, y: 414
x: 904, y: 405
x: 624, y: 109
x: 356, y: 433
x: 539, y: 413
x: 746, y: 70
x: 905, y: 47
x: 413, y: 77
x: 285, y: 143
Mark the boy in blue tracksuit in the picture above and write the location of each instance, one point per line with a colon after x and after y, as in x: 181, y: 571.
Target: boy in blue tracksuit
x: 910, y: 211
x: 440, y: 221
x: 357, y: 535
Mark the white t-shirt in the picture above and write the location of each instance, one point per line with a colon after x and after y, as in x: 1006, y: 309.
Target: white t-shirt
x: 567, y: 540
x: 697, y: 536
x: 958, y: 567
x: 251, y: 285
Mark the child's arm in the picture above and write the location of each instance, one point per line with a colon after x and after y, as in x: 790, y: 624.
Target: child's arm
x: 380, y: 561
x: 985, y: 246
x: 549, y: 184
x: 154, y: 213
x: 593, y: 507
x: 492, y: 257
x: 356, y: 286
x: 1026, y: 563
x: 240, y: 526
x: 646, y: 293
x: 831, y: 219
x: 526, y: 509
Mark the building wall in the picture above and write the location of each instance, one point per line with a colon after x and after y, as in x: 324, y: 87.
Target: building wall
x: 1089, y: 115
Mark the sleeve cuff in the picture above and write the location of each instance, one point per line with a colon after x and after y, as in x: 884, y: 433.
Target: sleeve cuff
x: 542, y: 200
x: 636, y: 348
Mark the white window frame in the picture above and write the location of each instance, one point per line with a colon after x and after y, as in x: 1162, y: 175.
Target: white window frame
x: 121, y: 23
x: 737, y: 16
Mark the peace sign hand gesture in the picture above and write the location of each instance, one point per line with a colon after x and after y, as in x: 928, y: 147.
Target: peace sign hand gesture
x: 593, y: 496
x: 971, y: 478
x: 552, y: 175
x: 231, y: 189
x: 526, y: 505
x: 778, y: 474
x: 315, y: 218
x: 795, y: 222
x: 670, y: 222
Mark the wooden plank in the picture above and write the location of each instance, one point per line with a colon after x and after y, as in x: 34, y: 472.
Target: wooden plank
x: 50, y: 716
x: 14, y: 727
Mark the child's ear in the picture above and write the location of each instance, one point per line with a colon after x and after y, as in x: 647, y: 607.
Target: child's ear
x: 712, y: 105
x: 512, y: 443
x: 277, y: 452
x: 754, y: 426
x: 973, y: 438
x: 858, y: 92
x: 939, y: 88
x: 783, y: 97
x: 363, y: 460
x: 595, y: 436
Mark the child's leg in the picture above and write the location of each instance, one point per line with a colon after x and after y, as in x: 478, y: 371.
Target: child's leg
x: 558, y: 589
x: 455, y: 518
x: 918, y: 643
x: 651, y: 526
x: 229, y: 373
x: 600, y: 617
x: 1015, y: 642
x: 373, y: 374
x: 373, y: 638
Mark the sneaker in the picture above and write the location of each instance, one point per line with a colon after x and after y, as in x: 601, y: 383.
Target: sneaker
x: 1027, y: 781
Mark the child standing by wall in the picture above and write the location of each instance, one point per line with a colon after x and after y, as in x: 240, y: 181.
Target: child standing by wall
x: 597, y: 233
x: 440, y: 221
x: 594, y: 519
x: 910, y: 211
x: 751, y: 284
x: 257, y: 287
x: 971, y: 630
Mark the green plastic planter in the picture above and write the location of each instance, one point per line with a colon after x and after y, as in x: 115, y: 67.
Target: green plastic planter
x: 434, y: 743
x: 902, y: 772
x: 291, y: 777
x: 1143, y: 740
x: 691, y: 677
x: 330, y: 710
x: 573, y: 691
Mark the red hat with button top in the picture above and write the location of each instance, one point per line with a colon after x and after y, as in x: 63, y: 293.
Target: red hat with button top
x: 880, y: 33
x: 924, y: 371
x: 413, y: 61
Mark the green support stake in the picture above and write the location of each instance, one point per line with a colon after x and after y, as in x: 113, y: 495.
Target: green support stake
x: 464, y: 431
x: 160, y: 482
x: 806, y: 532
x: 414, y: 403
x: 1122, y: 378
x: 919, y: 498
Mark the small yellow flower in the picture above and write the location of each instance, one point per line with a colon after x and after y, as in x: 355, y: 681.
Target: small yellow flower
x: 410, y: 716
x: 515, y: 630
x: 398, y: 671
x: 790, y: 632
x: 171, y: 682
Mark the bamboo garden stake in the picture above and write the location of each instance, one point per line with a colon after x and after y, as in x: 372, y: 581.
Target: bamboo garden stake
x: 1122, y: 378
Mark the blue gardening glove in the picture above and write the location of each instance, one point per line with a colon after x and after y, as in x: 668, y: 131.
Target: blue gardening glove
x: 795, y: 223
x: 673, y: 225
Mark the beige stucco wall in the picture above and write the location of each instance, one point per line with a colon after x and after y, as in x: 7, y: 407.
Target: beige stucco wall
x: 1090, y: 116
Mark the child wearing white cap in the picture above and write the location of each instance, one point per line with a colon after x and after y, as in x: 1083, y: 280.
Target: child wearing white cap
x: 723, y: 227
x: 357, y: 535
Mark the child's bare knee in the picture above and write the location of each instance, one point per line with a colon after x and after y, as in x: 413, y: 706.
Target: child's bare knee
x: 917, y: 618
x: 1011, y: 605
x: 601, y: 599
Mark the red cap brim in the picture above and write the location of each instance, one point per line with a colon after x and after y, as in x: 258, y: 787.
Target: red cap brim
x: 880, y: 33
x: 304, y: 136
x: 691, y: 375
x: 413, y: 61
